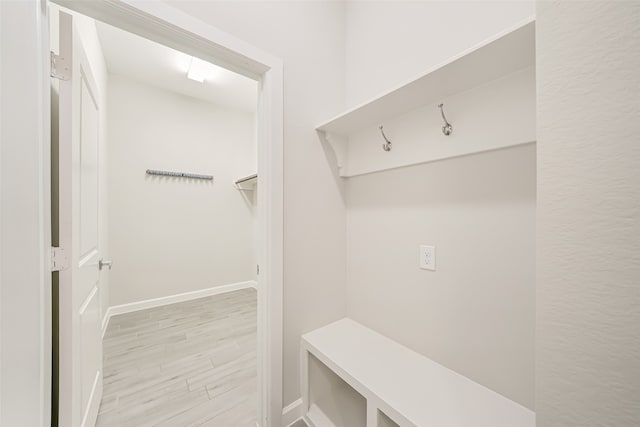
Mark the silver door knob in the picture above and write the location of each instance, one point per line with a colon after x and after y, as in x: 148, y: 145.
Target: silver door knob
x: 102, y: 264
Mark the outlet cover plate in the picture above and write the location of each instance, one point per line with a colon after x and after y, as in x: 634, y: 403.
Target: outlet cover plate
x: 427, y: 257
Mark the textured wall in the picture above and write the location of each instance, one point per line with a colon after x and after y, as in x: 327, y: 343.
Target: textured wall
x: 588, y: 231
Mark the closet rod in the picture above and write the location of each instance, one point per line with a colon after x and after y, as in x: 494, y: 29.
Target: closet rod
x: 245, y: 179
x: 179, y: 174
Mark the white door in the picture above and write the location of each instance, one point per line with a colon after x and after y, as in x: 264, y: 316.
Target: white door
x: 80, y: 345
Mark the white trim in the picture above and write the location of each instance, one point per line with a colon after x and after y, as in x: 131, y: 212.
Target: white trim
x: 25, y: 300
x: 105, y: 321
x: 186, y: 296
x: 292, y: 412
x: 165, y: 24
x: 94, y: 402
x: 172, y: 299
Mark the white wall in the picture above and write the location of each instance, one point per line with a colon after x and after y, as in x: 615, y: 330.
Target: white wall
x: 25, y: 365
x: 588, y: 231
x: 476, y: 313
x: 391, y: 42
x: 309, y: 37
x: 174, y: 235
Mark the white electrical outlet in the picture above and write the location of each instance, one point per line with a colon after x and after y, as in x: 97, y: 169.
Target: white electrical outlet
x: 427, y: 257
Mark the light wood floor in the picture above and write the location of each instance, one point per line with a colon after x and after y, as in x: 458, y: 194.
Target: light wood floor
x: 186, y: 364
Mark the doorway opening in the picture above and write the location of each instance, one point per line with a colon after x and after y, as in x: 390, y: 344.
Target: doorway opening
x: 172, y: 241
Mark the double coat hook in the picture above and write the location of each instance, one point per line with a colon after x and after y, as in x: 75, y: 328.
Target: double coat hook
x: 387, y: 145
x: 447, y: 130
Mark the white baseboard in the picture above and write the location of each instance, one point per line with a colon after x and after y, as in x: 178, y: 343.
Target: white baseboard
x: 292, y: 412
x: 172, y: 299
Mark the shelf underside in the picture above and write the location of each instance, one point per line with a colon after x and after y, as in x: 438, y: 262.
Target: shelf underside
x: 488, y: 95
x: 496, y: 115
x: 509, y: 52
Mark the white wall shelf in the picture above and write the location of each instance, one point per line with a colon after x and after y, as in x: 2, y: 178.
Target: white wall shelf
x: 400, y: 386
x: 248, y: 183
x: 489, y: 97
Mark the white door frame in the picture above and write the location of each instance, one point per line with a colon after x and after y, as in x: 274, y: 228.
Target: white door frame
x: 25, y: 206
x: 162, y: 23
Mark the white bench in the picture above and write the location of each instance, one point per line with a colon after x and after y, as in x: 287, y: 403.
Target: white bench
x: 366, y: 379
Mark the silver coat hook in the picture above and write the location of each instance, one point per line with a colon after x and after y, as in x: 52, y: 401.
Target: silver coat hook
x: 447, y: 129
x: 387, y: 146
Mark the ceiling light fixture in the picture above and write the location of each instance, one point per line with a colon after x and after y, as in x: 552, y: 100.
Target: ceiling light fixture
x: 197, y: 70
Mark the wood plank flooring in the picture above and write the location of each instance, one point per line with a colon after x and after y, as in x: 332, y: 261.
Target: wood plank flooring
x: 186, y: 364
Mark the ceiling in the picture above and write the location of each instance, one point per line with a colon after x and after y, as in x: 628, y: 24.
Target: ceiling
x: 164, y: 67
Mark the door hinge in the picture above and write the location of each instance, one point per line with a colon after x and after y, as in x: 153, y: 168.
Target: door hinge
x: 59, y: 260
x: 60, y: 67
x: 258, y: 269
